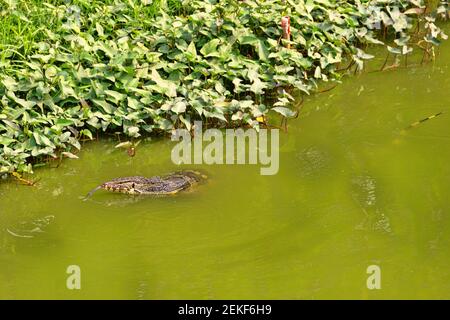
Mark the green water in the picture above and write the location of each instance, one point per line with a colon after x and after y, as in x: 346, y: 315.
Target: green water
x: 352, y: 191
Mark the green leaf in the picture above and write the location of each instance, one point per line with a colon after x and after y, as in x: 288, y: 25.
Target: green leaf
x: 133, y: 132
x: 179, y: 107
x: 10, y: 83
x: 99, y: 29
x: 125, y: 145
x: 164, y: 86
x: 258, y: 86
x: 64, y: 122
x: 362, y: 55
x: 69, y: 155
x: 253, y: 74
x: 317, y: 73
x: 107, y: 108
x: 6, y: 140
x: 24, y: 103
x: 191, y: 51
x: 67, y: 90
x: 394, y: 50
x: 51, y: 72
x: 286, y: 112
x: 186, y: 121
x: 133, y: 103
x: 216, y: 115
x: 263, y: 52
x: 42, y: 140
x: 210, y: 48
x: 86, y: 133
x: 237, y: 85
x: 248, y: 39
x: 115, y: 96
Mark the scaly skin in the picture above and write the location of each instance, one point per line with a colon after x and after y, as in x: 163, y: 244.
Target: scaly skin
x: 169, y: 184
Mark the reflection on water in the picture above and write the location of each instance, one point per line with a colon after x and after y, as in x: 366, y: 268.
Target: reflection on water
x: 29, y: 229
x: 312, y: 161
x: 352, y: 191
x: 364, y: 193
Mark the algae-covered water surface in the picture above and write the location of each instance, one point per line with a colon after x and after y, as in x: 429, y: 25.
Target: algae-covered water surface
x: 353, y: 190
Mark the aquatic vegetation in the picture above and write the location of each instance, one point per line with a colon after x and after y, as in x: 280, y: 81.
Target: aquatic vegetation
x: 129, y: 146
x: 140, y: 67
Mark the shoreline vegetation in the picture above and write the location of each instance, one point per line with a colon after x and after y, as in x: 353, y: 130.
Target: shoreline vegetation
x: 71, y: 70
